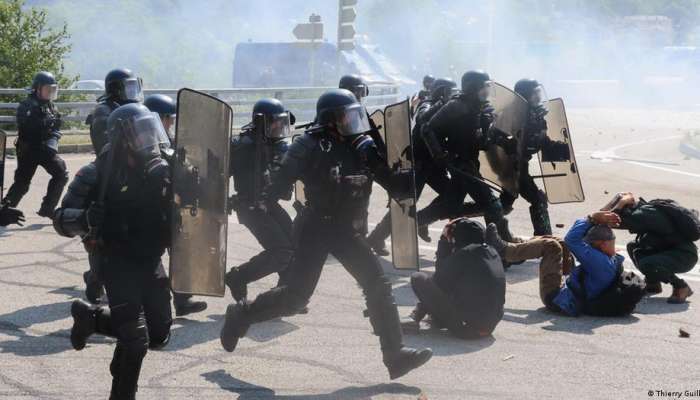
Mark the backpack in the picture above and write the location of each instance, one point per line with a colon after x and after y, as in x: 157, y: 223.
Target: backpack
x: 619, y: 299
x: 685, y: 220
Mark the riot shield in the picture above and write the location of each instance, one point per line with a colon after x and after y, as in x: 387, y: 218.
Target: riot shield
x: 378, y: 118
x: 200, y: 190
x: 510, y: 115
x: 557, y: 160
x: 3, y: 146
x: 404, y: 229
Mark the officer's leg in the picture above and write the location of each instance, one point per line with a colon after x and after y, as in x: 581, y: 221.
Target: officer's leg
x: 380, y: 233
x: 446, y: 205
x: 304, y: 272
x: 493, y: 211
x: 27, y: 163
x: 277, y: 253
x: 539, y: 214
x: 93, y: 284
x: 124, y: 284
x: 56, y: 167
x: 363, y: 265
x: 156, y: 306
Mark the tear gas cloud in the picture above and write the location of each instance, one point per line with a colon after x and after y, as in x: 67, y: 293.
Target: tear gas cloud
x: 593, y: 53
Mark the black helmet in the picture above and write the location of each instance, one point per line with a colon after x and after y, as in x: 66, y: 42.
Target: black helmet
x: 44, y: 78
x: 473, y: 82
x: 123, y: 86
x: 137, y: 128
x: 442, y: 89
x: 428, y: 81
x: 355, y: 84
x: 528, y: 88
x: 161, y: 104
x: 342, y: 109
x: 271, y: 118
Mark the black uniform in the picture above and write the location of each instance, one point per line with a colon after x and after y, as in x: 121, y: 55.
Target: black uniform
x: 38, y: 126
x: 536, y: 140
x: 426, y: 171
x: 98, y: 123
x: 338, y: 182
x: 267, y: 220
x: 132, y: 238
x: 457, y: 133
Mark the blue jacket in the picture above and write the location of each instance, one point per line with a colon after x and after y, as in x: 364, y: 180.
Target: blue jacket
x: 600, y: 270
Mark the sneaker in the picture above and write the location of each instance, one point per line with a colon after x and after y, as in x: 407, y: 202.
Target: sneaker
x: 680, y: 295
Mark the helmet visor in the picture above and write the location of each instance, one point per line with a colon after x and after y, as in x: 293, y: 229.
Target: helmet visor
x: 50, y: 92
x: 360, y: 91
x: 277, y: 126
x: 485, y: 91
x: 144, y: 133
x: 351, y: 120
x: 133, y: 90
x: 538, y: 97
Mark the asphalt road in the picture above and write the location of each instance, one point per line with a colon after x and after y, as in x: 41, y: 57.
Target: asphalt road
x: 330, y: 353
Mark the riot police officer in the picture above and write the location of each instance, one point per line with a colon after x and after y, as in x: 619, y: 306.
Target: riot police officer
x: 422, y: 95
x: 121, y: 87
x: 166, y: 108
x: 337, y: 163
x: 38, y: 133
x: 536, y: 140
x: 121, y: 204
x: 255, y: 155
x: 427, y: 172
x: 454, y: 136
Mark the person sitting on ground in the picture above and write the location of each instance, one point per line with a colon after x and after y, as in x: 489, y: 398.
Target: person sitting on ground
x: 664, y: 244
x: 598, y: 286
x: 466, y: 293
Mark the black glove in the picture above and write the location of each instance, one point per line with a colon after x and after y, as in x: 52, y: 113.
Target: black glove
x: 10, y: 215
x: 443, y: 161
x: 95, y: 215
x: 51, y: 145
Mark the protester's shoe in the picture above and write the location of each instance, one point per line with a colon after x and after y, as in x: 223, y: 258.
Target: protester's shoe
x: 189, y: 306
x: 493, y: 239
x: 405, y: 360
x: 680, y: 295
x: 418, y: 313
x: 84, y: 323
x: 653, y: 288
x: 235, y: 326
x: 424, y: 233
x: 238, y: 287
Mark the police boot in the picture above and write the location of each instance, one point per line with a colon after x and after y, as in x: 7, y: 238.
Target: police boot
x: 236, y: 324
x: 539, y: 215
x: 236, y: 284
x: 93, y: 287
x: 46, y: 211
x: 377, y: 244
x: 84, y: 323
x: 184, y: 305
x: 384, y: 317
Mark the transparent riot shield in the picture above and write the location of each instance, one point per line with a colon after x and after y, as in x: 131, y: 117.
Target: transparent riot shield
x: 404, y: 229
x: 560, y: 173
x: 510, y: 115
x: 200, y: 190
x: 378, y: 118
x: 3, y: 147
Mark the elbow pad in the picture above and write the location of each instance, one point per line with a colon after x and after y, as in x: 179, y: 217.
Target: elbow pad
x: 70, y: 222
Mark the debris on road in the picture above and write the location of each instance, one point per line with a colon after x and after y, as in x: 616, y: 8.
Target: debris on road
x: 510, y: 357
x: 683, y: 333
x: 560, y: 225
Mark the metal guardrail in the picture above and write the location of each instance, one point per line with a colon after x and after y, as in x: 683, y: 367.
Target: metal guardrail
x: 301, y: 101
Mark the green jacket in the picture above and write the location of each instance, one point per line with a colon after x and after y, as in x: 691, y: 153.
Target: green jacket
x: 655, y: 230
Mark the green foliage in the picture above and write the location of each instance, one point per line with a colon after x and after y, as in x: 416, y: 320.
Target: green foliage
x: 29, y: 45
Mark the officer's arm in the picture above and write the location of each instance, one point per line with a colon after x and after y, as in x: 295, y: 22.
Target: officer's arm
x: 98, y: 126
x: 26, y: 118
x: 292, y: 166
x: 70, y: 219
x: 396, y: 183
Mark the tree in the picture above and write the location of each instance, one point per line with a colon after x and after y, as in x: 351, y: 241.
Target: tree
x: 28, y: 45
